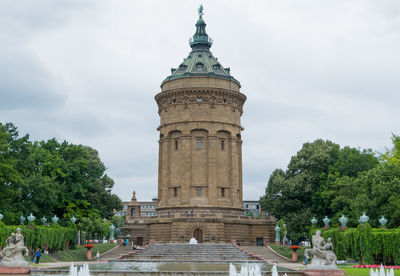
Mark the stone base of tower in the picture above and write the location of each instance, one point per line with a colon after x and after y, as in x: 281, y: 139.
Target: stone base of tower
x: 207, y: 228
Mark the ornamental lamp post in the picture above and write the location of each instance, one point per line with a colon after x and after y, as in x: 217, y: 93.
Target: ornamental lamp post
x: 1, y: 216
x: 343, y: 222
x: 314, y: 221
x: 363, y: 219
x: 22, y: 219
x: 326, y: 221
x: 43, y: 219
x: 31, y: 218
x: 112, y: 228
x: 383, y: 222
x: 73, y: 220
x: 277, y: 235
x: 54, y: 219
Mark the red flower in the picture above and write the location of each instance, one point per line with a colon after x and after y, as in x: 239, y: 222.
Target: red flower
x: 89, y: 245
x: 294, y: 247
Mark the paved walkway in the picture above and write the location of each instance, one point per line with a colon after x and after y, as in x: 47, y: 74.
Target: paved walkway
x: 116, y: 252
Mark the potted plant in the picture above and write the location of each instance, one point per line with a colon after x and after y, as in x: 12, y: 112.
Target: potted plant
x: 89, y: 247
x: 294, y: 253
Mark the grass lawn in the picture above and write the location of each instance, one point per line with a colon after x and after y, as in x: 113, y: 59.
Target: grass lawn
x: 43, y: 258
x: 287, y: 252
x: 79, y: 254
x: 351, y: 271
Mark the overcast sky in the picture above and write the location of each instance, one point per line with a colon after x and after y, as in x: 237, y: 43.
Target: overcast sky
x: 87, y: 72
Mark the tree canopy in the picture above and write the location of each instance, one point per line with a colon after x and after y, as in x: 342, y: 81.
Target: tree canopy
x: 49, y: 178
x: 323, y: 179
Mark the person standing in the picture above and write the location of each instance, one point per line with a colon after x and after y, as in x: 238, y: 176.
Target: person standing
x: 38, y: 255
x: 98, y: 255
x: 33, y: 256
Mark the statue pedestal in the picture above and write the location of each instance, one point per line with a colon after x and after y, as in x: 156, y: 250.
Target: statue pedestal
x: 14, y: 270
x: 323, y: 272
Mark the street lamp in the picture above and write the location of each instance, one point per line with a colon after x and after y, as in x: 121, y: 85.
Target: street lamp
x: 73, y: 220
x: 43, y: 219
x: 277, y: 235
x: 112, y: 228
x: 1, y: 216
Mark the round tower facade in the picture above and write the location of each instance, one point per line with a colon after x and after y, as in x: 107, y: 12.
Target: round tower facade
x: 200, y: 145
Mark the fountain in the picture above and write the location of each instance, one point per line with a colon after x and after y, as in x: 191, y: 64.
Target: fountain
x: 83, y: 271
x: 245, y: 270
x: 381, y: 272
x: 193, y: 241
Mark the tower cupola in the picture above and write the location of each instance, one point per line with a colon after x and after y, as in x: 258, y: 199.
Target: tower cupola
x: 200, y: 40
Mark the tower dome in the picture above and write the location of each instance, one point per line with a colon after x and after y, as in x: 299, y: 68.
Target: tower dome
x: 200, y: 61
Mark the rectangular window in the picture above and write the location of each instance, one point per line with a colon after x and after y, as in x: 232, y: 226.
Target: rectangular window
x: 199, y: 143
x: 198, y: 190
x: 176, y: 144
x: 222, y: 144
x: 175, y: 192
x: 222, y: 192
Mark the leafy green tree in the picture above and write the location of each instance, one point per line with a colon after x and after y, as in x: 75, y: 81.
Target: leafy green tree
x: 305, y: 188
x: 48, y: 177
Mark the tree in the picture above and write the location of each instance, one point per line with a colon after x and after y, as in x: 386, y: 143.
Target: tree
x: 305, y: 188
x: 48, y: 177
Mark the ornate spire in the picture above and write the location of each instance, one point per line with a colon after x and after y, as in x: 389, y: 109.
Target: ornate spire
x: 200, y: 40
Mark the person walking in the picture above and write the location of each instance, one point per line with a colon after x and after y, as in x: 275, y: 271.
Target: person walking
x: 38, y: 255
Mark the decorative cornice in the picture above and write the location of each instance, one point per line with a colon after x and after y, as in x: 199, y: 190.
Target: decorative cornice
x: 213, y: 97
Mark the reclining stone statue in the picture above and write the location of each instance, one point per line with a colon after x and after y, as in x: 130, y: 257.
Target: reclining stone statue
x: 12, y: 254
x: 322, y: 252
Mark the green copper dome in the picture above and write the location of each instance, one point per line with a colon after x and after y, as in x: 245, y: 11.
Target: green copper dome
x: 200, y: 61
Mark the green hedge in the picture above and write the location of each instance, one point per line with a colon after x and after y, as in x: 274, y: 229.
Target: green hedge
x: 37, y: 236
x: 375, y: 245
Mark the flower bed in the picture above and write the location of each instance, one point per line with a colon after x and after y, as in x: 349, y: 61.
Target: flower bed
x: 377, y: 266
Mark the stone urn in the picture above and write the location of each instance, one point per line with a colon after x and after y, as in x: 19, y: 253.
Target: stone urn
x: 89, y: 247
x: 89, y: 254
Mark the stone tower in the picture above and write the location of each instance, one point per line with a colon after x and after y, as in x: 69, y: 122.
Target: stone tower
x: 200, y: 157
x: 200, y: 145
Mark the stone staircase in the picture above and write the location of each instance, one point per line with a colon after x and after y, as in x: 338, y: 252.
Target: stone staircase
x: 191, y: 252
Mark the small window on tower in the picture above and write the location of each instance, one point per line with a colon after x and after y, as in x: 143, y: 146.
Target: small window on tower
x: 199, y: 143
x: 175, y: 191
x: 222, y: 144
x: 198, y: 191
x: 176, y: 144
x: 222, y: 192
x: 199, y: 66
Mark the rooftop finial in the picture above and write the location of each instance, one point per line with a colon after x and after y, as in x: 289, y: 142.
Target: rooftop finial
x: 201, y: 11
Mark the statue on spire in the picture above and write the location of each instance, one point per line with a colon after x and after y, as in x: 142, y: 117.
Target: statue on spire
x: 201, y: 11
